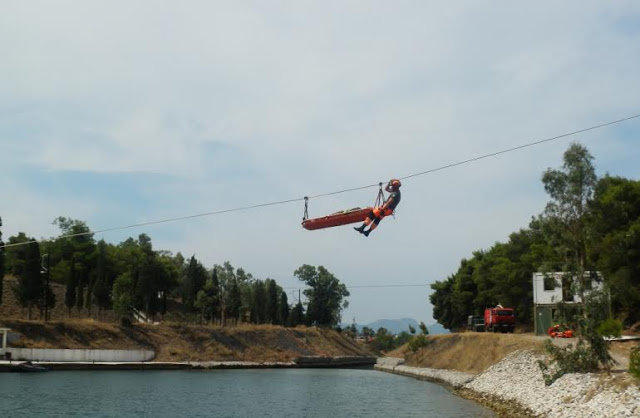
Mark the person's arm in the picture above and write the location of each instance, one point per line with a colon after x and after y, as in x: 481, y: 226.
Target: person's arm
x: 387, y: 202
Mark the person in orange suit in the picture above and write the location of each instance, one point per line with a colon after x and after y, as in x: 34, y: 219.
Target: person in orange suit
x: 375, y: 216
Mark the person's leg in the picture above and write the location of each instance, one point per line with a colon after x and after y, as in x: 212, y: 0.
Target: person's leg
x: 370, y: 217
x: 373, y: 226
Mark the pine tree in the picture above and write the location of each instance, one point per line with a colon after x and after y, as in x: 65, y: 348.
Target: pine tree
x: 101, y: 287
x: 259, y: 303
x: 233, y: 301
x: 297, y: 315
x: 72, y: 284
x: 214, y: 295
x: 272, y: 302
x: 29, y: 289
x: 283, y: 309
x: 2, y: 265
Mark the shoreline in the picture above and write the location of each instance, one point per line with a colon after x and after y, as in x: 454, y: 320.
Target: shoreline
x: 302, y: 362
x: 515, y: 387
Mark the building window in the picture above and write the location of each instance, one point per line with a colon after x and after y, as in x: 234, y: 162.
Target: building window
x: 567, y: 289
x: 549, y: 283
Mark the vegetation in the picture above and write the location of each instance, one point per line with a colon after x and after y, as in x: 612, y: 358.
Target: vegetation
x: 589, y: 225
x: 2, y: 251
x: 610, y: 328
x: 581, y: 359
x: 136, y: 281
x: 327, y: 296
x: 418, y: 342
x: 634, y: 363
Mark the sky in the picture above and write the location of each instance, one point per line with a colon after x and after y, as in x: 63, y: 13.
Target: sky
x: 121, y: 112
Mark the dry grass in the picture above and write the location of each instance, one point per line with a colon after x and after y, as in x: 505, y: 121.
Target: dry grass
x: 10, y: 308
x: 176, y: 342
x: 468, y: 352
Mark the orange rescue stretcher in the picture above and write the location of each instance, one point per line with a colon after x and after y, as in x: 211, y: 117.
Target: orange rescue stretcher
x: 344, y: 217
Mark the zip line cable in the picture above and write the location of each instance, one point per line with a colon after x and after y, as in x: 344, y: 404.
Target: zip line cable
x: 531, y: 144
x: 282, y: 202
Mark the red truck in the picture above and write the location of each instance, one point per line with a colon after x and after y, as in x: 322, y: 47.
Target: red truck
x: 499, y: 319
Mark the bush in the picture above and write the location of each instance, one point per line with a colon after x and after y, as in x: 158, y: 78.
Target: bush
x: 581, y: 359
x: 610, y: 328
x: 417, y: 342
x: 634, y: 362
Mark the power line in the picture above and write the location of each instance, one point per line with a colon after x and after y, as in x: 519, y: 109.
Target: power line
x: 281, y: 202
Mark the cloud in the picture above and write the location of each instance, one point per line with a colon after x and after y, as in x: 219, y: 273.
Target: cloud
x: 174, y: 109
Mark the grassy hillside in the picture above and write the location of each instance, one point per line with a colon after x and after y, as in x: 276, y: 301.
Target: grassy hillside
x: 474, y: 352
x: 188, y: 343
x: 468, y: 352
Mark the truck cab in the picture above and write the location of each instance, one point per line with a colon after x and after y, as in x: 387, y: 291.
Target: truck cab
x: 499, y: 319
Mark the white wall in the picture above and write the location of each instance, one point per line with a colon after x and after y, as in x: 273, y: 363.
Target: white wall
x: 53, y: 354
x: 541, y: 296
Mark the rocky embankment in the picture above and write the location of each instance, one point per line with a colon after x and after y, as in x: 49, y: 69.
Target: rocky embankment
x: 515, y: 387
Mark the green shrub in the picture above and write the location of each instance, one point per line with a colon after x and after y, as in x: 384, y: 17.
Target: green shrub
x: 634, y: 362
x: 417, y: 342
x: 610, y: 328
x: 581, y: 359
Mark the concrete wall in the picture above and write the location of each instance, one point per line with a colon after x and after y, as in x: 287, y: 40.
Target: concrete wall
x: 52, y: 354
x: 551, y: 296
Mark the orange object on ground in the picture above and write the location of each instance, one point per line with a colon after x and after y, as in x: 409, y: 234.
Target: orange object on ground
x: 560, y: 331
x: 344, y: 217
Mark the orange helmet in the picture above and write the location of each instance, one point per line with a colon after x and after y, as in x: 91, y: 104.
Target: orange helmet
x: 393, y: 185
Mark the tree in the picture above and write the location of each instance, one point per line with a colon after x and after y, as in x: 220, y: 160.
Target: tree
x: 72, y: 284
x: 206, y: 300
x: 259, y: 302
x: 214, y: 294
x: 283, y: 309
x: 2, y: 265
x: 297, y: 315
x: 194, y: 281
x: 615, y: 242
x: 30, y: 286
x: 441, y: 299
x: 123, y: 290
x: 271, y: 308
x: 412, y: 329
x: 423, y: 328
x: 383, y: 340
x: 367, y: 332
x: 571, y: 190
x: 233, y: 300
x: 326, y: 295
x: 77, y: 244
x: 102, y: 283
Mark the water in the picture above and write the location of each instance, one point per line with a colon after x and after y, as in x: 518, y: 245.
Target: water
x: 227, y: 393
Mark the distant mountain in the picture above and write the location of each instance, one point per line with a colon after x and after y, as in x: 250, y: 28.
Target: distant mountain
x: 396, y: 326
x: 437, y: 329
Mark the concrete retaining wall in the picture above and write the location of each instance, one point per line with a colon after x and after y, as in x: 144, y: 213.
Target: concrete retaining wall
x: 52, y: 354
x: 340, y: 361
x: 452, y: 378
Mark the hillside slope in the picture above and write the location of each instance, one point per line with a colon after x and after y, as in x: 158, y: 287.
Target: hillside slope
x: 474, y: 352
x: 189, y: 343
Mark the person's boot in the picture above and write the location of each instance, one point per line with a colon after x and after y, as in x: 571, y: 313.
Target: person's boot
x: 366, y: 233
x: 360, y: 228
